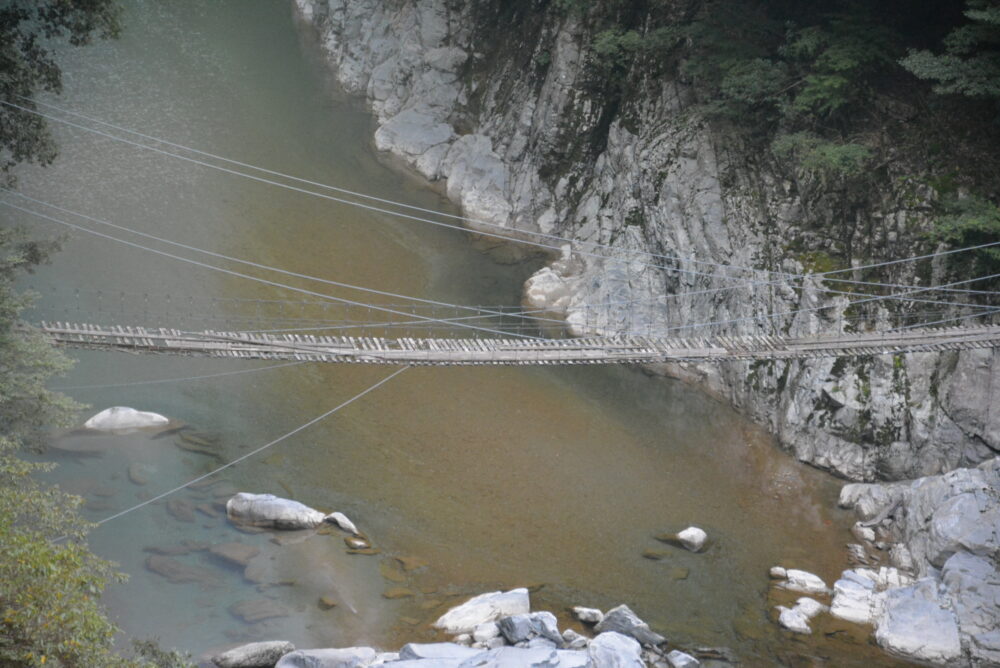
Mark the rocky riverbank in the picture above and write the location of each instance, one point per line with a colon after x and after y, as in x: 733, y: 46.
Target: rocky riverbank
x: 499, y: 123
x: 494, y: 630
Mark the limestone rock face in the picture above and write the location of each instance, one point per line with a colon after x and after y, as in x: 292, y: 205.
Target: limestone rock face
x: 509, y: 142
x: 484, y: 608
x: 122, y: 418
x: 267, y: 510
x: 254, y: 655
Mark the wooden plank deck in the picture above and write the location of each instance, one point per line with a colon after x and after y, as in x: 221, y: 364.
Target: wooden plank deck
x: 443, y: 351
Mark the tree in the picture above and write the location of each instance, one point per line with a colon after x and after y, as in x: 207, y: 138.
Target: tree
x: 970, y: 63
x: 28, y: 31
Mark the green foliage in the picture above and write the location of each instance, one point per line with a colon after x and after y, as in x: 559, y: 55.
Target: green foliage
x: 28, y: 29
x: 971, y: 221
x: 970, y: 63
x: 828, y: 159
x: 49, y: 591
x: 26, y: 358
x: 836, y: 61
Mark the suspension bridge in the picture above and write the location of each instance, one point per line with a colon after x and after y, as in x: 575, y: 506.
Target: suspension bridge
x: 478, y: 336
x: 429, y: 351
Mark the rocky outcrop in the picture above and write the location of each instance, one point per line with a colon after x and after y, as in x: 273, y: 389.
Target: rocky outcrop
x: 525, y: 639
x: 512, y: 131
x: 946, y: 531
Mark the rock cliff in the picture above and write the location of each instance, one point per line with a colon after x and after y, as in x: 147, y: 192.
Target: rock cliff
x: 492, y: 100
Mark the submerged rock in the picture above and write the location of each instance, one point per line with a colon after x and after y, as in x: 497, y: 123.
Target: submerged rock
x: 623, y: 620
x: 258, y: 610
x: 238, y: 554
x: 267, y: 510
x: 488, y: 607
x: 179, y: 572
x: 254, y: 655
x: 123, y: 417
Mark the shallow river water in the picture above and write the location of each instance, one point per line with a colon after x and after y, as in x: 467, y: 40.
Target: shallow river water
x: 482, y: 478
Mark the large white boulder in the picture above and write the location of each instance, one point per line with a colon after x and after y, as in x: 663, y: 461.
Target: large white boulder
x: 268, y: 510
x: 614, y: 650
x: 914, y: 625
x: 439, y: 651
x: 854, y: 597
x: 254, y: 655
x: 484, y: 608
x: 123, y: 417
x: 348, y: 657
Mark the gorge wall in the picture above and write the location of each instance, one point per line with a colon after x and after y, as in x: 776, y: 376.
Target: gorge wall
x: 492, y: 100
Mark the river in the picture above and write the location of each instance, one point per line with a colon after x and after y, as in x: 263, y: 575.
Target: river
x: 484, y: 477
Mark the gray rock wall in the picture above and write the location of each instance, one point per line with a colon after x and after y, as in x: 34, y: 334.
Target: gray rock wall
x: 502, y: 116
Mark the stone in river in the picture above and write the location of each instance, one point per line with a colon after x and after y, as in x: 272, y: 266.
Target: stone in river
x: 186, y: 547
x: 655, y: 555
x: 588, y: 615
x: 254, y: 655
x: 914, y: 624
x: 410, y: 563
x: 692, y: 538
x: 803, y: 581
x: 347, y: 657
x: 356, y: 543
x: 614, y: 650
x: 390, y: 572
x: 679, y: 573
x: 139, y: 473
x: 365, y: 550
x: 179, y: 572
x: 327, y: 601
x: 123, y: 417
x: 258, y: 610
x: 623, y: 620
x: 267, y: 510
x: 181, y: 509
x: 398, y: 592
x: 678, y: 659
x: 437, y: 651
x: 235, y: 553
x: 340, y: 519
x: 488, y: 607
x: 524, y: 627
